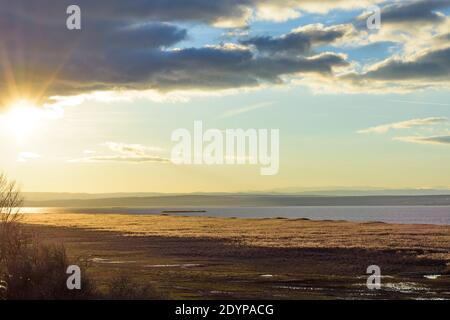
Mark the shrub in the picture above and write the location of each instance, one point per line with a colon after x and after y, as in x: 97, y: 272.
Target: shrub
x: 123, y: 287
x: 30, y: 269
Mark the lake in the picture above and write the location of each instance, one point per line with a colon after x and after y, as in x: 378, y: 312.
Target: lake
x: 394, y: 214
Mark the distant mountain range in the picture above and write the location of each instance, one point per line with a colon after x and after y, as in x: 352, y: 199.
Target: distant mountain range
x: 47, y: 196
x: 263, y: 200
x: 366, y: 191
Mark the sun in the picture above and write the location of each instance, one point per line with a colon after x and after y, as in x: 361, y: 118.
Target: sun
x: 22, y: 118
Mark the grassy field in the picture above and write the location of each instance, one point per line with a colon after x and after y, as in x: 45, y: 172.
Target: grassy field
x: 197, y: 257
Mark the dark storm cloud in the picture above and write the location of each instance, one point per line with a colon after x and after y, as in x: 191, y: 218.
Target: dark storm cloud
x: 218, y: 68
x: 414, y: 11
x: 197, y: 68
x: 206, y: 11
x: 298, y: 41
x: 427, y: 69
x: 409, y: 12
x: 434, y: 65
x: 116, y: 49
x: 130, y: 45
x: 40, y: 56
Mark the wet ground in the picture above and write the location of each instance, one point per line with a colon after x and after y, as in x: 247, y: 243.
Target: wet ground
x: 205, y: 268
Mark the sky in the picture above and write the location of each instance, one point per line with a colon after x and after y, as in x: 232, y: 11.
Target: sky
x: 93, y: 110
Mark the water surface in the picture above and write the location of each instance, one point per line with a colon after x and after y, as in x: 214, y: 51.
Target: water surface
x: 395, y: 214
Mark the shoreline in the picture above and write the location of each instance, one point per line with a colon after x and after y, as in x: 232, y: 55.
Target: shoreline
x: 436, y: 215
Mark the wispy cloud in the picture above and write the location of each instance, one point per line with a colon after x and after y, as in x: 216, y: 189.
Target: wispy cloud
x: 235, y: 112
x: 133, y: 149
x: 442, y: 140
x: 27, y: 156
x: 119, y: 158
x: 421, y: 102
x: 131, y: 153
x: 431, y: 121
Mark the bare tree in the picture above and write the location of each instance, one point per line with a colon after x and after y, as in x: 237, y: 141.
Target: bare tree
x: 10, y: 216
x: 29, y: 268
x: 10, y: 202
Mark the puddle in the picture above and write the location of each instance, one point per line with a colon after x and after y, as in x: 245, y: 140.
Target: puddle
x: 299, y: 288
x: 404, y: 287
x: 266, y: 276
x: 219, y: 292
x: 103, y: 260
x: 432, y: 276
x: 381, y: 276
x: 186, y: 265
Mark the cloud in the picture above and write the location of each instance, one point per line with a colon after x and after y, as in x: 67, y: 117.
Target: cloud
x: 235, y: 112
x: 411, y: 12
x: 288, y: 8
x: 429, y: 65
x: 131, y: 153
x: 300, y: 40
x: 27, y: 156
x: 40, y: 59
x: 118, y: 158
x: 132, y: 149
x: 208, y: 68
x: 444, y: 38
x: 413, y: 26
x: 441, y: 140
x: 129, y: 48
x: 212, y: 68
x: 429, y: 69
x: 276, y: 13
x: 227, y: 13
x: 422, y: 102
x: 405, y: 124
x: 205, y: 11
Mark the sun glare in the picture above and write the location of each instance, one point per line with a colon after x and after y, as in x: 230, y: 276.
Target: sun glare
x: 22, y: 118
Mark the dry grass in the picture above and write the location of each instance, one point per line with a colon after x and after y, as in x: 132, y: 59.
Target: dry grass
x: 227, y: 257
x: 282, y: 233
